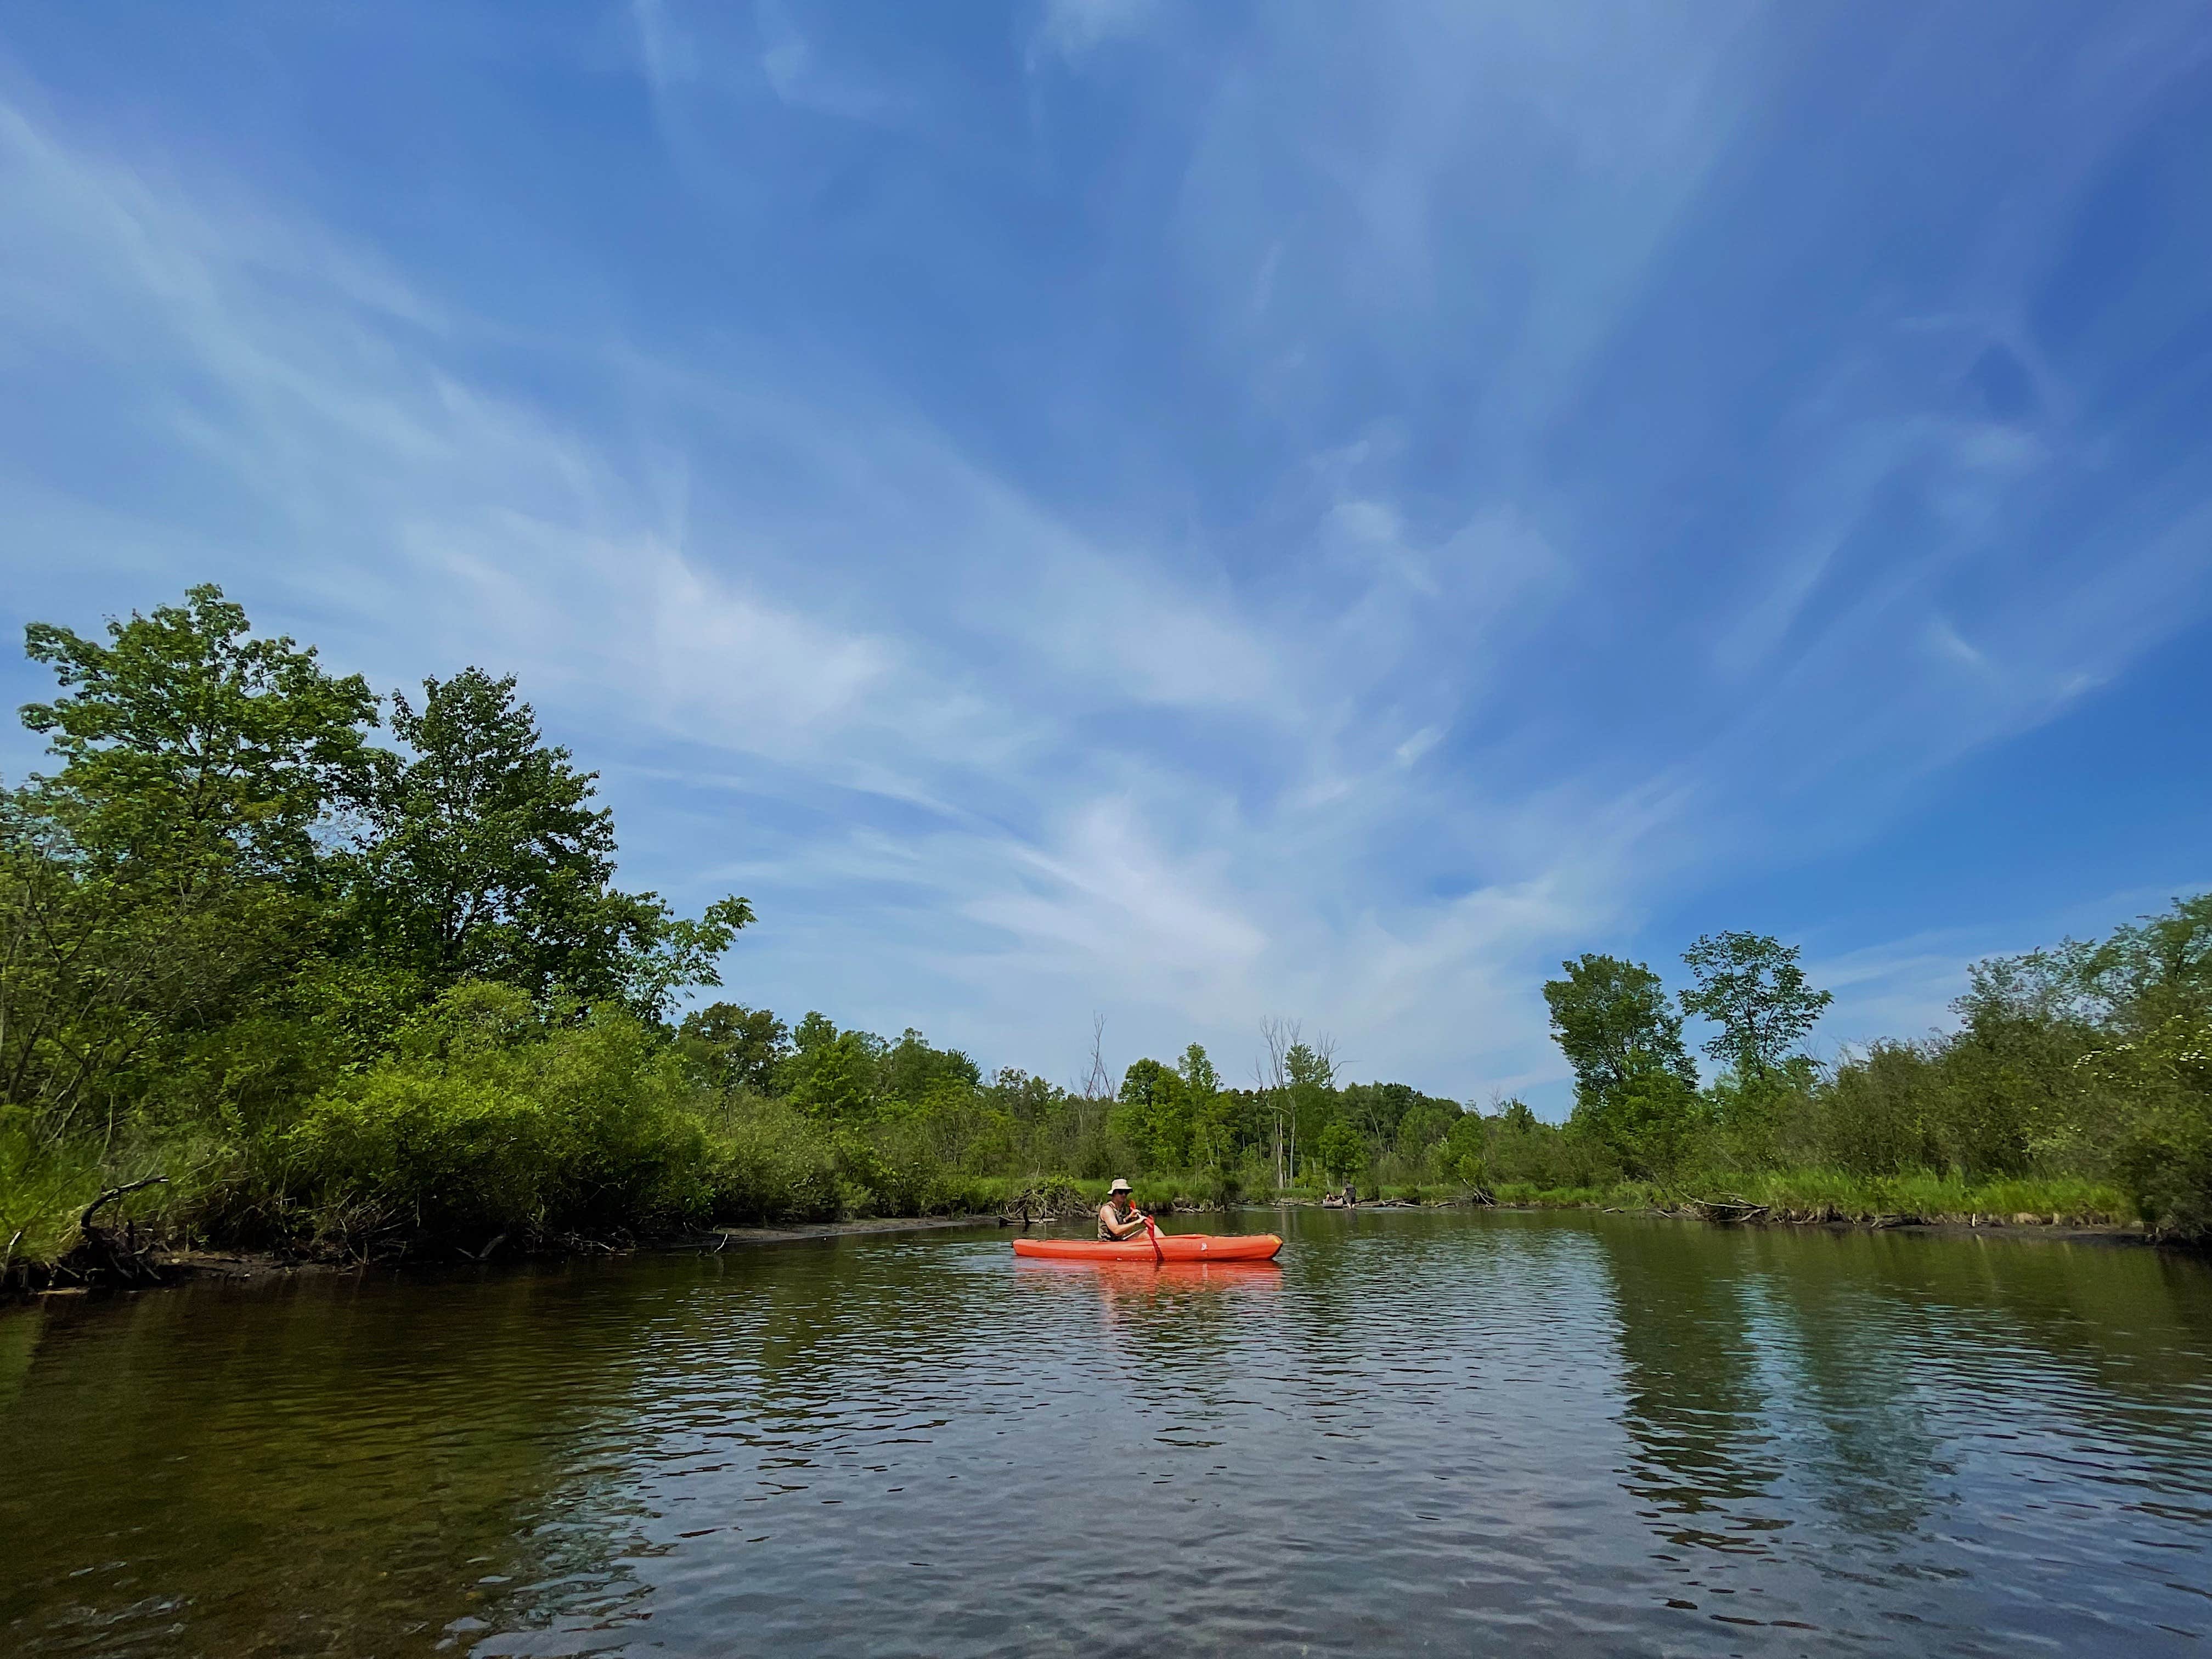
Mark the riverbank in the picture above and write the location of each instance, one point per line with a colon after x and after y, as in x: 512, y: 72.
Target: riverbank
x: 2047, y: 1208
x: 1811, y: 1197
x: 161, y: 1268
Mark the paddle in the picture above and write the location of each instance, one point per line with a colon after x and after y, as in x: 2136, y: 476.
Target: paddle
x: 1152, y: 1232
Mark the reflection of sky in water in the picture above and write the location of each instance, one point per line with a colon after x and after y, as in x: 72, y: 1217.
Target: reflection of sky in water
x: 1593, y: 1434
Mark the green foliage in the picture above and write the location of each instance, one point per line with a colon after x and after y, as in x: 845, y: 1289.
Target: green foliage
x: 1613, y: 1020
x: 42, y: 1188
x: 728, y: 1046
x: 1644, y: 1124
x: 167, y: 880
x: 1751, y: 987
x: 913, y: 1073
x: 1340, y: 1150
x: 485, y: 859
x: 832, y: 1075
x: 111, y: 966
x: 771, y: 1164
x: 490, y: 1121
x: 189, y: 746
x: 1155, y: 1118
x: 2164, y: 1155
x: 224, y: 918
x: 1466, y: 1149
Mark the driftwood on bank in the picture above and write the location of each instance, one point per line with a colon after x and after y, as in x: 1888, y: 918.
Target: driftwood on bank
x: 100, y: 1256
x: 1054, y: 1199
x: 1727, y: 1211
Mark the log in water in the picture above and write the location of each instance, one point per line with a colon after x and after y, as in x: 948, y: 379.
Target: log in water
x: 1565, y: 1434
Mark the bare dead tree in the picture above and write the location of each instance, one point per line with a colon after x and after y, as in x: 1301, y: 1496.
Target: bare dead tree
x: 1280, y: 1037
x: 1099, y: 1084
x: 1096, y: 1092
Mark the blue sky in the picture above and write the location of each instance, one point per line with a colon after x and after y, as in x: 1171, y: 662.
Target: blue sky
x: 1192, y: 512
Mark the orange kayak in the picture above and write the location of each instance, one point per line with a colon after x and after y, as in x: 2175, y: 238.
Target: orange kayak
x: 1173, y: 1247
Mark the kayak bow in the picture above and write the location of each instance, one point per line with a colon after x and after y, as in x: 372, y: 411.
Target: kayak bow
x: 1165, y: 1247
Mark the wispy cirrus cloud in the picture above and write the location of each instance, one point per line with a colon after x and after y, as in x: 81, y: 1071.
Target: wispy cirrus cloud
x: 1316, y: 514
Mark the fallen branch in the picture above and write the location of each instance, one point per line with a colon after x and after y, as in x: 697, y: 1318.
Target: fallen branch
x: 1727, y: 1211
x: 84, y: 1220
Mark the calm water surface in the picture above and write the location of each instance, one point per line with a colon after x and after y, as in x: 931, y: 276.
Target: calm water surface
x: 1549, y: 1434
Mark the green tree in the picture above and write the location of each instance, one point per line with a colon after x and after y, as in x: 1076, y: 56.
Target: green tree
x: 729, y: 1046
x: 160, y: 893
x: 1196, y: 1069
x: 1613, y: 1021
x: 1751, y: 987
x: 832, y: 1074
x: 1210, y: 1113
x: 1340, y: 1150
x: 1309, y: 1075
x: 913, y: 1071
x: 190, y: 747
x: 1646, y: 1122
x: 1426, y: 1123
x: 1154, y: 1115
x: 2148, y: 971
x: 488, y: 859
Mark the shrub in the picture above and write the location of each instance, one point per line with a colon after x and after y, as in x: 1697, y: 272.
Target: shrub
x: 492, y: 1123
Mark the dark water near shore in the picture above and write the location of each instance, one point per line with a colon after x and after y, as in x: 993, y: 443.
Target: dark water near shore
x: 1557, y: 1434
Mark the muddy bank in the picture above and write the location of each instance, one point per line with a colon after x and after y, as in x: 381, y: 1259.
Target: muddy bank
x: 155, y: 1267
x: 1725, y: 1214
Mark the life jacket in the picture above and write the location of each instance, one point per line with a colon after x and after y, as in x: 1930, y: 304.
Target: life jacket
x: 1104, y: 1231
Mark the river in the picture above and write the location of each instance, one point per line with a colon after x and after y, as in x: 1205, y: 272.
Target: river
x: 1562, y: 1434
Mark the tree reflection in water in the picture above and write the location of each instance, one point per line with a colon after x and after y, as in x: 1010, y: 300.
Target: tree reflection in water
x: 1694, y: 1398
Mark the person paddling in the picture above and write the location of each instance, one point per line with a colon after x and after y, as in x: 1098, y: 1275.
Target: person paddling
x: 1117, y: 1215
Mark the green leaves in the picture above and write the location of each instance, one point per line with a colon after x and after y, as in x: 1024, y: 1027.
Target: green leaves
x: 190, y: 747
x: 1613, y: 1020
x: 1340, y: 1150
x: 1751, y: 987
x: 223, y: 895
x: 730, y: 1047
x: 486, y: 857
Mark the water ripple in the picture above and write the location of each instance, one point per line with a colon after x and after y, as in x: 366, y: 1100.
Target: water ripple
x: 1578, y: 1433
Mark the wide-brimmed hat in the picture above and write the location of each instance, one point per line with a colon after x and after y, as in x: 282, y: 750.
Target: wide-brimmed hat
x: 1119, y: 1186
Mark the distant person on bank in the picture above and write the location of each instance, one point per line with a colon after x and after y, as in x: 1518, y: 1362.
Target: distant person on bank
x: 1117, y: 1215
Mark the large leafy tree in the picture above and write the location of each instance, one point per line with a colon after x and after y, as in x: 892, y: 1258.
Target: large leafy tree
x: 2153, y: 969
x: 1310, y: 1069
x: 161, y: 885
x: 190, y: 747
x: 1212, y: 1111
x: 1154, y: 1115
x: 1646, y: 1122
x: 913, y: 1071
x: 1340, y: 1150
x: 489, y: 858
x: 832, y: 1074
x: 729, y: 1046
x: 1613, y: 1021
x: 1750, y: 985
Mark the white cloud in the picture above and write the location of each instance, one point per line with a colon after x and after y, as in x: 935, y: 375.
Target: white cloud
x: 1375, y: 742
x: 1073, y: 28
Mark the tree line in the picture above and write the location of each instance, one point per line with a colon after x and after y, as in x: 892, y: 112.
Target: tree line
x: 347, y: 995
x: 2090, y: 1062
